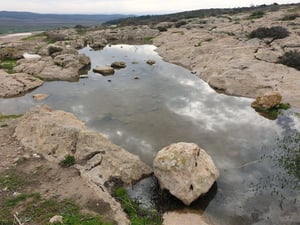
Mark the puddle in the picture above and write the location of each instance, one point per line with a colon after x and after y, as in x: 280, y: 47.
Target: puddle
x: 258, y: 158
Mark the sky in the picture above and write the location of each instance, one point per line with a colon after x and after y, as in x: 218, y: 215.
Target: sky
x: 125, y: 6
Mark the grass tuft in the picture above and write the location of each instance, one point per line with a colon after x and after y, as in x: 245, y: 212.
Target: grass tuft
x: 137, y: 215
x: 8, y: 65
x: 68, y: 161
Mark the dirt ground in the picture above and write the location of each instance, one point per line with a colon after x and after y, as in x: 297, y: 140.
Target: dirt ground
x: 46, y: 178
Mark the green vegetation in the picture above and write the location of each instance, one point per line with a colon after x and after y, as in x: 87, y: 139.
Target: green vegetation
x: 273, y: 32
x: 11, y: 116
x: 68, y: 161
x: 180, y: 23
x: 8, y: 65
x: 256, y: 15
x: 12, y: 180
x: 33, y: 209
x: 291, y: 59
x: 35, y: 37
x: 289, y: 17
x: 273, y: 113
x: 137, y: 215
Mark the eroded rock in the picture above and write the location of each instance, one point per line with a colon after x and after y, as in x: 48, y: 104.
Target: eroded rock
x: 118, y: 65
x: 186, y: 170
x: 104, y: 70
x: 16, y: 84
x: 55, y: 134
x: 267, y: 101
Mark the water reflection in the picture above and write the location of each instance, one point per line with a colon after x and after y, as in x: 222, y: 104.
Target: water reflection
x: 168, y: 104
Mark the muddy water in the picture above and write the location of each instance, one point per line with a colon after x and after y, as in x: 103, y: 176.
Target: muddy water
x: 258, y: 158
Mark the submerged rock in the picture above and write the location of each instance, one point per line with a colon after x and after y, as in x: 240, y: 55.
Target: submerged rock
x: 40, y: 97
x: 186, y: 170
x: 267, y: 101
x: 150, y: 62
x: 118, y: 65
x: 104, y: 70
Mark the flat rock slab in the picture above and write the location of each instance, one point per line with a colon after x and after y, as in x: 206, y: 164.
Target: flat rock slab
x: 184, y: 218
x: 17, y: 84
x: 104, y: 70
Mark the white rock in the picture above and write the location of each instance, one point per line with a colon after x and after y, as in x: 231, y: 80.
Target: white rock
x: 56, y: 219
x: 186, y: 170
x: 31, y: 56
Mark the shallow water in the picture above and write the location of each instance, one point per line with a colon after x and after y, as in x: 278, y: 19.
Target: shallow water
x: 258, y: 158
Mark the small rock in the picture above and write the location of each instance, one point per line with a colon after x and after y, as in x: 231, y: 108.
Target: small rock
x: 267, y: 101
x: 35, y: 155
x: 15, y: 194
x: 83, y: 76
x: 56, y: 219
x: 118, y: 65
x: 104, y: 70
x: 40, y: 97
x: 136, y: 78
x: 31, y: 56
x: 150, y: 62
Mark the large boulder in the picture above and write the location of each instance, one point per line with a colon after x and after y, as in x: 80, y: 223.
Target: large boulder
x: 17, y: 84
x: 186, y: 170
x: 267, y: 101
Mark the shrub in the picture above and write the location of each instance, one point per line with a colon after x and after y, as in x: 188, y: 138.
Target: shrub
x: 290, y: 17
x: 273, y: 32
x: 180, y: 23
x: 68, y: 161
x: 291, y: 59
x: 256, y: 15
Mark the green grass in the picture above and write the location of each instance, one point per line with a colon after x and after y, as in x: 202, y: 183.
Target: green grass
x: 35, y: 36
x: 256, y: 15
x: 273, y: 113
x: 12, y: 180
x: 136, y: 214
x: 11, y: 116
x: 8, y: 65
x: 33, y: 209
x: 68, y: 161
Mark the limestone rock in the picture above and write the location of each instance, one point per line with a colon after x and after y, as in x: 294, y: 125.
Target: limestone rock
x: 39, y: 97
x: 52, y: 48
x: 268, y: 55
x: 30, y: 66
x: 104, y: 70
x: 56, y: 219
x: 31, y: 56
x: 16, y: 84
x: 186, y: 170
x: 184, y: 218
x: 118, y: 65
x: 55, y: 134
x: 267, y: 101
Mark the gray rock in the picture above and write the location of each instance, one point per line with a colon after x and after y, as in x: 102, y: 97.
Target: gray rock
x: 118, y: 65
x: 16, y: 84
x: 104, y: 70
x: 186, y: 170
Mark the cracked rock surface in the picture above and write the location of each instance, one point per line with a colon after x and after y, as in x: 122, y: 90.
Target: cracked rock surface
x: 55, y: 134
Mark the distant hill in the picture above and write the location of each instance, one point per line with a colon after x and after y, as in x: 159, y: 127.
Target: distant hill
x: 201, y: 13
x: 12, y: 22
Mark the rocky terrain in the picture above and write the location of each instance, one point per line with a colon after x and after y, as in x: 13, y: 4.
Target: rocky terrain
x: 217, y: 49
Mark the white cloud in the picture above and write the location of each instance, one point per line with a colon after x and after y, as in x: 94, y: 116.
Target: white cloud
x: 124, y: 6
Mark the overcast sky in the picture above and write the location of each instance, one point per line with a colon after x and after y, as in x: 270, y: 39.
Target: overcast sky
x: 125, y: 6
